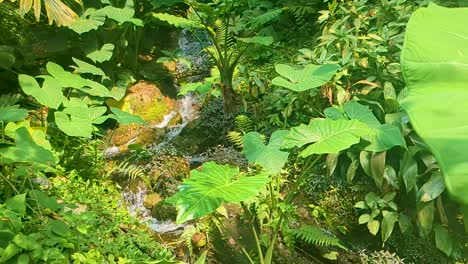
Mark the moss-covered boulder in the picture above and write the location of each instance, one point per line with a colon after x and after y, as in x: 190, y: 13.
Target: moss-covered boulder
x: 147, y: 101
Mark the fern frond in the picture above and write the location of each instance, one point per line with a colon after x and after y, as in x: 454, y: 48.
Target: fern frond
x: 315, y: 235
x: 235, y: 138
x: 301, y: 12
x: 265, y: 18
x: 226, y: 40
x: 244, y: 124
x: 130, y: 170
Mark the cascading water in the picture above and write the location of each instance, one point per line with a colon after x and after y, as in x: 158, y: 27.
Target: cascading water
x: 134, y: 199
x: 192, y: 49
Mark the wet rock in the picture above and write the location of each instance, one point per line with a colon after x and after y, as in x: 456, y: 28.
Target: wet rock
x: 164, y: 211
x: 207, y: 131
x: 151, y: 200
x: 167, y: 173
x: 193, y: 49
x: 147, y: 101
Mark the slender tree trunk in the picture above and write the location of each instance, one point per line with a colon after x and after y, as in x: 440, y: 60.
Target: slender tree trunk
x: 229, y: 95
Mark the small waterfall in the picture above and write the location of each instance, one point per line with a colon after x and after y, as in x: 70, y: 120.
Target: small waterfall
x: 134, y: 200
x: 192, y: 48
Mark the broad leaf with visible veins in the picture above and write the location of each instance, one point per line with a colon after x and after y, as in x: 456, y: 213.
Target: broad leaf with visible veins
x: 435, y: 67
x: 49, y: 95
x: 383, y: 136
x: 326, y: 136
x: 209, y: 187
x: 270, y: 157
x: 299, y: 80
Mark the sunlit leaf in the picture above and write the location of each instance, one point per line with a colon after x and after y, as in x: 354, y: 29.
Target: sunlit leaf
x: 209, y: 187
x: 311, y: 76
x: 268, y: 156
x: 434, y: 64
x: 26, y: 150
x: 325, y: 136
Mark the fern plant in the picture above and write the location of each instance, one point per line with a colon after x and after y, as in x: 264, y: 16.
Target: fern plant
x: 316, y: 236
x: 243, y: 126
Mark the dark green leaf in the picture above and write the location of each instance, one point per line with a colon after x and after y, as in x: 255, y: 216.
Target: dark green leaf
x: 388, y: 223
x: 12, y: 113
x: 17, y: 203
x: 443, y: 240
x: 432, y: 188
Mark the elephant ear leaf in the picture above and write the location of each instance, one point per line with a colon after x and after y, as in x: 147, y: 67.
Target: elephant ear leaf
x: 435, y: 67
x: 27, y: 150
x: 270, y: 157
x: 326, y: 136
x: 209, y: 187
x: 299, y: 80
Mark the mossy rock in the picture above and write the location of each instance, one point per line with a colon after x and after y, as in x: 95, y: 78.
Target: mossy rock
x: 151, y: 200
x: 167, y: 174
x: 164, y: 211
x: 147, y: 101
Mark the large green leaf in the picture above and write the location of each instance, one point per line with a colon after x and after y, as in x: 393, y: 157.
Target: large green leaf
x: 435, y: 67
x: 17, y: 203
x: 209, y: 187
x: 90, y: 20
x: 270, y: 156
x: 383, y: 136
x: 12, y: 113
x: 84, y: 67
x: 73, y: 126
x: 299, y: 80
x: 120, y: 15
x: 327, y: 136
x: 176, y: 21
x: 103, y: 54
x: 49, y: 95
x: 26, y: 150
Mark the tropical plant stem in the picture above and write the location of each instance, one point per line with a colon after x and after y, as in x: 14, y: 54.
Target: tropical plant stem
x: 289, y: 197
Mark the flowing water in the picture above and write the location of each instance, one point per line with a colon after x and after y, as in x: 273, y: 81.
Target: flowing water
x: 192, y: 48
x: 134, y: 199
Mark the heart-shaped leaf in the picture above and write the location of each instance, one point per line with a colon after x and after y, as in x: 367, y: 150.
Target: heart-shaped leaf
x: 326, y: 136
x: 299, y: 80
x: 50, y: 95
x: 26, y: 150
x: 270, y: 157
x: 435, y: 67
x: 209, y: 187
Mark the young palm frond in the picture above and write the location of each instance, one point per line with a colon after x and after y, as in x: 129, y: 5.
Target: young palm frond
x: 57, y: 11
x: 315, y: 235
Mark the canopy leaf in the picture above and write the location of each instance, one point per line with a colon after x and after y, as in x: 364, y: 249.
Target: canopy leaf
x: 435, y: 68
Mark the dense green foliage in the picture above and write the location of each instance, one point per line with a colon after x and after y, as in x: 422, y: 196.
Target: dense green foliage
x: 347, y: 138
